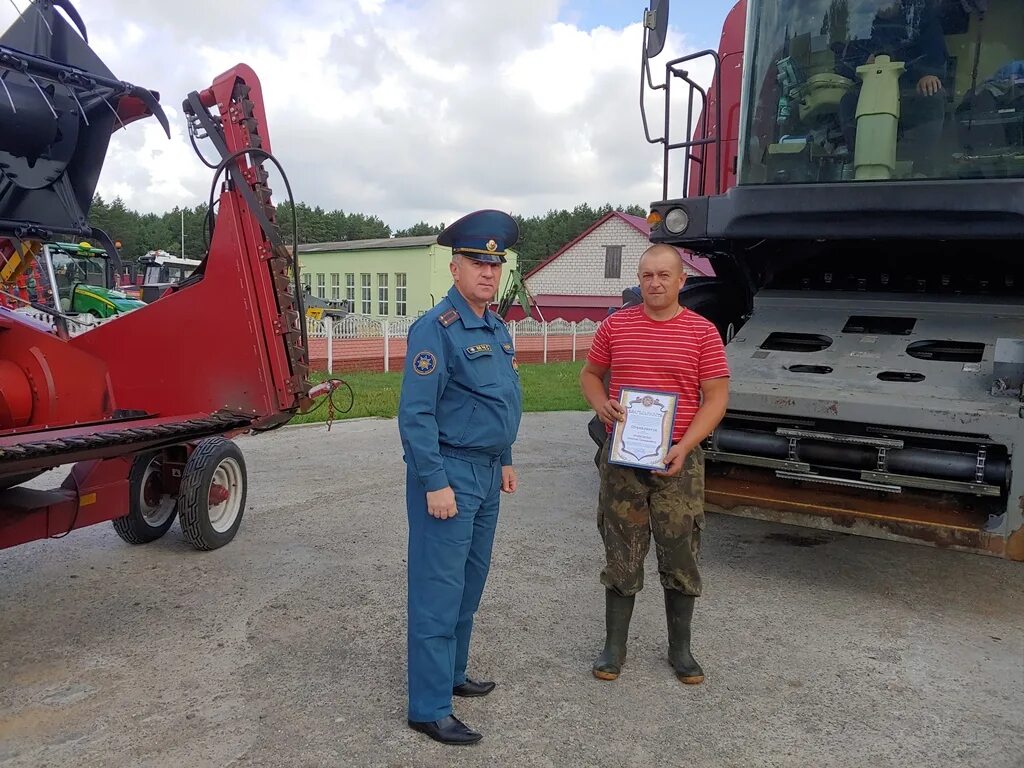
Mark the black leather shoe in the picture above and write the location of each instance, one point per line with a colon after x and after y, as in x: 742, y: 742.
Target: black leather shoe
x: 472, y: 688
x: 449, y: 730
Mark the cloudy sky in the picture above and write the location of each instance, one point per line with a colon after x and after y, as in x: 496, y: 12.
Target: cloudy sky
x: 406, y: 109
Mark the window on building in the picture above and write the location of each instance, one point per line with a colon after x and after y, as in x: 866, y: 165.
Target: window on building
x: 307, y: 281
x: 335, y: 286
x: 382, y: 293
x: 367, y: 292
x: 401, y: 303
x: 613, y: 261
x: 350, y: 290
x: 321, y: 291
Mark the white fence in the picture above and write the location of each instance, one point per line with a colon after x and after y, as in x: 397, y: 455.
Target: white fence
x: 534, y: 339
x: 76, y: 324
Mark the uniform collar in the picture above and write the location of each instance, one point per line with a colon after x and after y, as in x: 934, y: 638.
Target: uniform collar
x: 466, y: 314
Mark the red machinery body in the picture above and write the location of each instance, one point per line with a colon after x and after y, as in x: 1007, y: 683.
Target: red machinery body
x: 725, y: 88
x: 222, y: 353
x: 235, y: 299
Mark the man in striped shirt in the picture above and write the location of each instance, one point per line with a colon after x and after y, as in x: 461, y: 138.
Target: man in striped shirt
x: 657, y: 345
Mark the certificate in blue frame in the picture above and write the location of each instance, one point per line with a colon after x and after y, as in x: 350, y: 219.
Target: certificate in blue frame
x: 643, y: 440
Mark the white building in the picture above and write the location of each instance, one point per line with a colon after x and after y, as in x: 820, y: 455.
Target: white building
x: 588, y: 275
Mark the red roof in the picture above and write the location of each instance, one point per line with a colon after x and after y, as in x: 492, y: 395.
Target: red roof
x: 698, y: 264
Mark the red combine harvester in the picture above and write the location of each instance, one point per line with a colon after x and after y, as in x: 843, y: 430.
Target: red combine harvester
x: 145, y: 426
x: 854, y: 174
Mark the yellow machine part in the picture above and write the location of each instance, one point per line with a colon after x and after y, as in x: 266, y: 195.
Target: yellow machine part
x: 878, y: 115
x: 15, y: 258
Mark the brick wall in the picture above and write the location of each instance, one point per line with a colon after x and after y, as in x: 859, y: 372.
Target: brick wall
x: 580, y: 270
x: 368, y: 354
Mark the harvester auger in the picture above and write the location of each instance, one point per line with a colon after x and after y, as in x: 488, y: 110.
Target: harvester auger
x: 145, y: 425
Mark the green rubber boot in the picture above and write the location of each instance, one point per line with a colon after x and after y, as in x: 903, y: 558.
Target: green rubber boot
x: 618, y: 610
x: 679, y: 612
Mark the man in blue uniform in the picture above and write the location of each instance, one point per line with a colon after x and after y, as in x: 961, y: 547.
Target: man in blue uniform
x: 458, y: 416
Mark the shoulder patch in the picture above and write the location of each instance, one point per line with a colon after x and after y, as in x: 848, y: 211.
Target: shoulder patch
x: 448, y: 318
x: 424, y: 363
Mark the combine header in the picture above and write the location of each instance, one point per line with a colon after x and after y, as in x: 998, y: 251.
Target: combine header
x: 145, y: 425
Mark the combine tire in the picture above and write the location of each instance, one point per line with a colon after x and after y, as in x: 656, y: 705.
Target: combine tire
x: 150, y: 510
x: 212, y: 496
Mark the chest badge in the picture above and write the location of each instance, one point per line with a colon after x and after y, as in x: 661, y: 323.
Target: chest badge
x: 424, y: 363
x: 478, y: 350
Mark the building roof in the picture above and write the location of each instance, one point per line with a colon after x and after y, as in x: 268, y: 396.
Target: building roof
x: 372, y: 244
x: 698, y: 264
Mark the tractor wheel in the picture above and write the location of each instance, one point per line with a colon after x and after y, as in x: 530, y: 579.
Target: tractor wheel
x: 212, y: 495
x: 150, y: 510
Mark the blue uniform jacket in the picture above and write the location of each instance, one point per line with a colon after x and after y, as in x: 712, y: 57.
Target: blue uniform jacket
x: 460, y: 389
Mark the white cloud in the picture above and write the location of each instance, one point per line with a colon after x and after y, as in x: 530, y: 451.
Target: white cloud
x: 407, y: 111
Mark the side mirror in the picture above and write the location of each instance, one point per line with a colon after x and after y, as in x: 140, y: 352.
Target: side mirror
x: 656, y: 25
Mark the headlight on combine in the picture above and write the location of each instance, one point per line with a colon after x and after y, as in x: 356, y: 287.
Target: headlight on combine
x: 677, y: 220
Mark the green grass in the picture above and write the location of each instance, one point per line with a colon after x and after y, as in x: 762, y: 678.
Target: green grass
x: 551, y: 387
x: 375, y: 394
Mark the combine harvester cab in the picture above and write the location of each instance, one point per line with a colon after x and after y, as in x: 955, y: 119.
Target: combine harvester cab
x: 855, y: 174
x: 145, y: 426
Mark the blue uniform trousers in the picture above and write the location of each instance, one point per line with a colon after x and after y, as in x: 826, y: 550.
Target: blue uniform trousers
x: 447, y: 568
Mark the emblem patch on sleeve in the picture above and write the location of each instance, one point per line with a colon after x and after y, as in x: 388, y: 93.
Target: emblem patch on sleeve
x: 424, y: 363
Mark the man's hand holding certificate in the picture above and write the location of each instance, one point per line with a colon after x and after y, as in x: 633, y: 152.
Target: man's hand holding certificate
x: 611, y: 412
x: 642, y: 436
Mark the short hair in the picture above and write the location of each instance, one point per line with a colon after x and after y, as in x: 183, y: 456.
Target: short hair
x: 663, y: 246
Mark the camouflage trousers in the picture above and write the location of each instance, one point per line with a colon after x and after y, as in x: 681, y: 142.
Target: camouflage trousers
x: 633, y: 504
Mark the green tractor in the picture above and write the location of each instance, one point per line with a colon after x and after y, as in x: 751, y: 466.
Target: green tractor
x: 83, y: 280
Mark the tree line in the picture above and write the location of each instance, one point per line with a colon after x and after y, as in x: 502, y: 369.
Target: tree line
x: 138, y: 233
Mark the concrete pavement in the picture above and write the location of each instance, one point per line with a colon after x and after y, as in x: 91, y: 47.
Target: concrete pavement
x: 286, y: 648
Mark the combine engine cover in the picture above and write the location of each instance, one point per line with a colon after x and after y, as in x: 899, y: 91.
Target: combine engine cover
x: 869, y: 255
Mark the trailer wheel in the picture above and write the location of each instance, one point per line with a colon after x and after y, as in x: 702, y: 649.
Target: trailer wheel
x: 150, y: 510
x: 212, y: 494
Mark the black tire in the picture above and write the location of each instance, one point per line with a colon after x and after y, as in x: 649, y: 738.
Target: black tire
x: 147, y: 519
x: 202, y: 525
x: 715, y: 306
x: 715, y: 300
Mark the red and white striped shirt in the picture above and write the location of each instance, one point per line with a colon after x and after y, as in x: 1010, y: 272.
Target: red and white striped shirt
x: 674, y: 355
